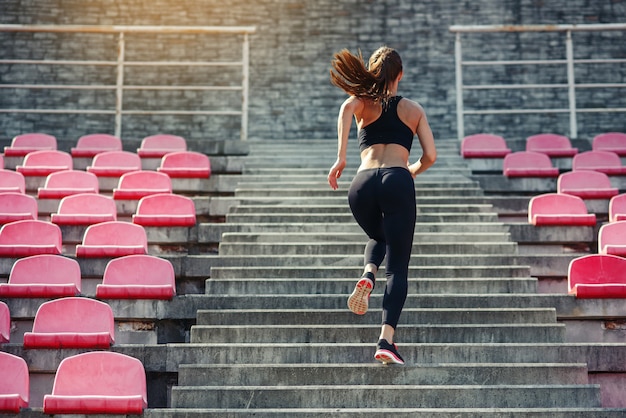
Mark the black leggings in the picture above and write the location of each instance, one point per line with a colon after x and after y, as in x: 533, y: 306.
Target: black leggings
x: 382, y: 201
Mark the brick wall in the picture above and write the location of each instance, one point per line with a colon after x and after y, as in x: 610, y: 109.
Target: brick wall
x: 290, y: 94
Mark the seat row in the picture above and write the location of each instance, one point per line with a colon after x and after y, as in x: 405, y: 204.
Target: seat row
x: 567, y: 208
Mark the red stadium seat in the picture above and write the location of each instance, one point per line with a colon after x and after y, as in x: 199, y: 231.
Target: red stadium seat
x: 606, y: 162
x: 14, y: 384
x: 26, y: 143
x: 65, y: 183
x: 42, y: 163
x: 612, y: 238
x: 165, y: 210
x: 185, y: 164
x: 43, y: 276
x: 617, y: 208
x: 597, y: 276
x: 90, y: 145
x: 552, y: 145
x: 610, y: 141
x: 12, y: 181
x: 138, y: 277
x: 114, y: 163
x: 72, y: 323
x: 586, y: 184
x: 484, y: 146
x: 5, y: 323
x: 559, y: 209
x: 113, y: 239
x: 30, y: 237
x: 85, y: 209
x: 98, y: 382
x: 17, y: 207
x: 156, y: 146
x: 528, y: 164
x: 135, y: 185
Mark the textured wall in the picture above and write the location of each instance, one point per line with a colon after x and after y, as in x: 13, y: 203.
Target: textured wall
x: 290, y: 53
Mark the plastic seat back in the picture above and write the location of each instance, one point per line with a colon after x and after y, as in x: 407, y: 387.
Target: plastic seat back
x: 528, y: 164
x: 5, y: 323
x: 612, y: 238
x: 17, y: 207
x: 165, y: 210
x: 559, y: 209
x: 12, y: 181
x: 553, y: 145
x: 42, y: 163
x: 113, y: 239
x: 15, y: 383
x: 610, y: 141
x: 186, y: 164
x: 156, y: 146
x: 30, y: 237
x: 586, y: 184
x: 135, y: 185
x: 597, y: 276
x: 29, y: 142
x: 606, y: 162
x: 98, y: 382
x: 114, y: 163
x: 72, y: 322
x: 138, y: 277
x: 93, y: 144
x: 617, y: 208
x: 484, y: 146
x: 43, y: 276
x: 66, y: 183
x: 85, y: 209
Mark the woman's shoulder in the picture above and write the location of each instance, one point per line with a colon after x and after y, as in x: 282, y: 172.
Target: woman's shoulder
x: 410, y: 105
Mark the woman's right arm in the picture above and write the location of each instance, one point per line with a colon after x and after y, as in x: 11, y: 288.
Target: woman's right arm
x: 344, y: 121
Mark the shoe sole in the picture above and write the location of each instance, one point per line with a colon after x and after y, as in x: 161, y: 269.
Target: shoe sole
x: 358, y: 302
x: 387, y: 357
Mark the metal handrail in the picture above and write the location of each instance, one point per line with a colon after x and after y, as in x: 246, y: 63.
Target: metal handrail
x: 120, y: 63
x: 569, y: 61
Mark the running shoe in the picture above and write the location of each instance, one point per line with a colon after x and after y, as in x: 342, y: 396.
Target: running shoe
x: 387, y: 353
x: 358, y: 302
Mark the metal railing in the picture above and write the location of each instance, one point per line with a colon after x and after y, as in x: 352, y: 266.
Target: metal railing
x: 121, y: 63
x: 569, y: 62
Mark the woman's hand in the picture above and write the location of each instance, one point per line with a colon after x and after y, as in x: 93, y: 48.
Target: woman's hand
x: 335, y: 173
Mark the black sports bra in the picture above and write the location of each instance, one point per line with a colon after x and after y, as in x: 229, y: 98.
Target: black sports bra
x: 387, y: 129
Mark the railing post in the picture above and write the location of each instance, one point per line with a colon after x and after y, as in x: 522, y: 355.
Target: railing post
x: 119, y: 87
x: 571, y: 85
x: 459, y: 86
x: 245, y: 70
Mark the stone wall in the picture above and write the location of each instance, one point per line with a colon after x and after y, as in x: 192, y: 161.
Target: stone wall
x: 290, y: 95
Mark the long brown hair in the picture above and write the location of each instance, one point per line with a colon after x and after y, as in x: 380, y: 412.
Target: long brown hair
x: 349, y: 73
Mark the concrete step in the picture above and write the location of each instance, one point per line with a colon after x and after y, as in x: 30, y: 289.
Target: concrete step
x: 460, y: 192
x: 345, y: 209
x: 322, y: 183
x: 347, y: 217
x: 431, y: 237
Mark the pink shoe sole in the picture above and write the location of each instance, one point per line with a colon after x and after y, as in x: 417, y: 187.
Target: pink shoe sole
x: 358, y: 302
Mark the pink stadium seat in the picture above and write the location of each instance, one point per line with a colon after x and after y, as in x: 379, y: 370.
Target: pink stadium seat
x: 98, y: 382
x: 135, y: 185
x: 12, y: 181
x: 188, y: 164
x: 5, y: 323
x: 66, y: 183
x: 586, y: 184
x: 606, y: 162
x: 528, y: 164
x: 85, y: 209
x: 165, y: 210
x: 552, y: 145
x: 156, y: 146
x: 42, y: 163
x: 612, y: 238
x: 43, y: 276
x: 610, y: 141
x: 72, y: 322
x: 484, y: 146
x: 559, y: 209
x: 26, y: 143
x: 617, y: 208
x: 597, y: 276
x: 113, y: 239
x: 138, y: 277
x: 14, y: 385
x: 17, y: 207
x: 90, y: 145
x: 30, y: 237
x: 114, y: 163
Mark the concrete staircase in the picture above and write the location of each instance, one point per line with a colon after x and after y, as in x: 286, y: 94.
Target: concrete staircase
x: 278, y: 339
